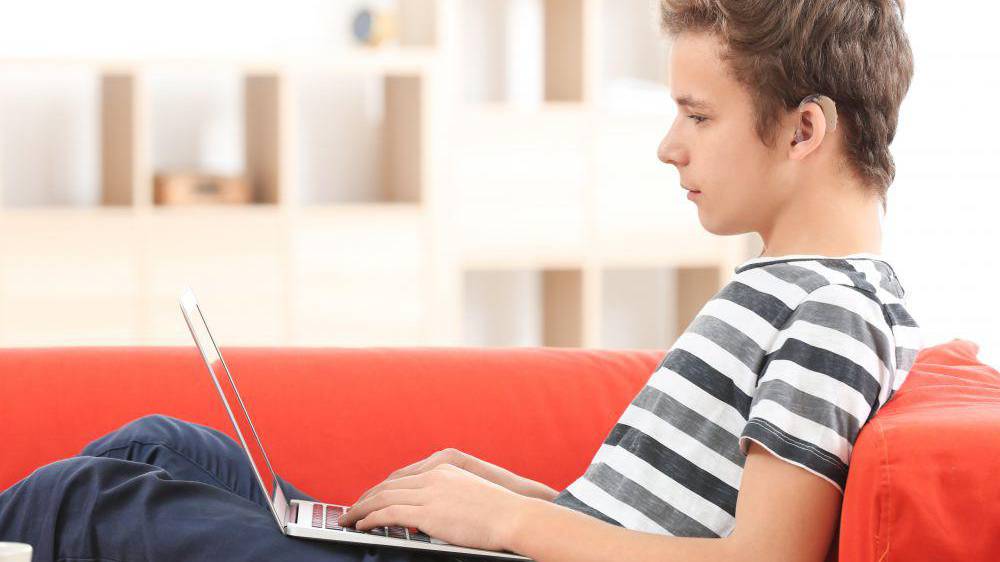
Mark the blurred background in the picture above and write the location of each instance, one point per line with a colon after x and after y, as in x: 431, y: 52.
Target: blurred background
x: 418, y: 172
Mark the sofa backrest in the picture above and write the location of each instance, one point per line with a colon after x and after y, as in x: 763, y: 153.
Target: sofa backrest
x: 354, y: 416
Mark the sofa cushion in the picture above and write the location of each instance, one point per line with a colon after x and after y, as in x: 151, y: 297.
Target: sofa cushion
x: 923, y: 483
x: 334, y: 421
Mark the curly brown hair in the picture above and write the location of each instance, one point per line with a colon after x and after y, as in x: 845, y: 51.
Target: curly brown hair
x: 854, y: 51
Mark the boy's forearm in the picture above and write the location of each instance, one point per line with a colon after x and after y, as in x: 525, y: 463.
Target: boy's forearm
x: 512, y: 481
x: 547, y: 532
x: 532, y: 489
x: 542, y: 492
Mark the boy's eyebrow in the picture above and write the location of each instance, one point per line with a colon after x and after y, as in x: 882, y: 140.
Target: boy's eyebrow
x: 692, y: 102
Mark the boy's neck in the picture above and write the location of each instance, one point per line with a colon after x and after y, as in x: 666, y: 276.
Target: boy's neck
x: 835, y: 220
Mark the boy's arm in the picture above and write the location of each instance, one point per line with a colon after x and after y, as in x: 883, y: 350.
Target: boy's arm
x: 513, y: 482
x: 783, y: 512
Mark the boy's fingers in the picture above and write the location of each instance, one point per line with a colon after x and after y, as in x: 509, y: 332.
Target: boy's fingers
x: 401, y: 515
x: 414, y: 469
x: 390, y: 483
x: 405, y: 470
x: 383, y: 500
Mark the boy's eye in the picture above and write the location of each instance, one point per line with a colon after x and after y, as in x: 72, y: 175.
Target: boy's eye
x: 697, y: 118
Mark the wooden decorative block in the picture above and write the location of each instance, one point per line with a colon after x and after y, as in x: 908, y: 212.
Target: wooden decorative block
x: 200, y: 189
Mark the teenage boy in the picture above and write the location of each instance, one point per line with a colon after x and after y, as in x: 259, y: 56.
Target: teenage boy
x: 739, y: 445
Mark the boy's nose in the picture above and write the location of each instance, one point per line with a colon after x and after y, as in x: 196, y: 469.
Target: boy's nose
x: 669, y: 152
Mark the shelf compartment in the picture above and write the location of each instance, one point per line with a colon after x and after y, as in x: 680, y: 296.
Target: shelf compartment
x: 639, y: 308
x: 526, y: 52
x: 569, y: 75
x: 124, y: 171
x: 71, y: 281
x: 360, y: 275
x: 364, y: 135
x: 267, y: 136
x: 633, y: 48
x: 236, y: 262
x: 531, y: 204
x: 200, y: 121
x: 49, y: 137
x: 649, y: 307
x: 63, y: 321
x: 506, y: 308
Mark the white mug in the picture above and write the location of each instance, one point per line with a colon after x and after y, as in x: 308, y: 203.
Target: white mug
x: 15, y: 552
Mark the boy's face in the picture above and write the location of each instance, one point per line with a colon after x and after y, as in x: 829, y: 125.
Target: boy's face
x: 714, y: 145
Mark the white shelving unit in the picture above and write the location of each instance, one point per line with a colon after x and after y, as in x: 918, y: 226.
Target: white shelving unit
x: 452, y: 192
x: 569, y: 223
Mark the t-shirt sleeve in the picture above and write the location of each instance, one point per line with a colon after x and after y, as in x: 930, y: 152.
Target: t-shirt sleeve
x: 822, y: 379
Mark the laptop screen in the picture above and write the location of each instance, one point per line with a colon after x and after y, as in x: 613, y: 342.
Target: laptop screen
x: 226, y: 385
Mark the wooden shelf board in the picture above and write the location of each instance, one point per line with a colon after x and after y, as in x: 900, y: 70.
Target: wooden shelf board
x: 390, y: 60
x: 48, y: 213
x: 358, y: 209
x: 517, y: 262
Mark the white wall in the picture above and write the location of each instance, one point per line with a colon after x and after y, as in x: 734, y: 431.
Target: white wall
x: 943, y: 225
x: 136, y: 28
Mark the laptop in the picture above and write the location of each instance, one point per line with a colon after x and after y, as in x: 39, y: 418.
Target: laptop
x: 298, y: 518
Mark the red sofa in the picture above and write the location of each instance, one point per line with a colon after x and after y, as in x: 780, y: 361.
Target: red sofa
x: 922, y: 482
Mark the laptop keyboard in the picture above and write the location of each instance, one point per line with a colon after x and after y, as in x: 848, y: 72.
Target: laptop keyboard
x: 328, y: 517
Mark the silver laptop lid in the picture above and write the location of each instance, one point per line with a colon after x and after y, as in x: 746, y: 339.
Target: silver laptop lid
x: 231, y: 399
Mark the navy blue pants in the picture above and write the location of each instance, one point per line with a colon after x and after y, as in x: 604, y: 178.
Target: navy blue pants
x: 161, y: 489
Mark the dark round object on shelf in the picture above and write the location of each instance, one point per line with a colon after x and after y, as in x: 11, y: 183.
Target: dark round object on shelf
x: 362, y: 25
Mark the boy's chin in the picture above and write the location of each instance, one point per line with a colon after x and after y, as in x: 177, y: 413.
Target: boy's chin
x: 722, y: 227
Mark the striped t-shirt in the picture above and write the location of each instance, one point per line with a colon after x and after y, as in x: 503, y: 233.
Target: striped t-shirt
x: 796, y: 353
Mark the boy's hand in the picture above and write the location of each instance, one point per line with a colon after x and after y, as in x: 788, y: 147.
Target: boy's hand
x: 453, y: 457
x: 445, y: 502
x: 467, y: 462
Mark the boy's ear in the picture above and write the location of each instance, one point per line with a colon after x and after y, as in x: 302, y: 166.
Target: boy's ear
x: 810, y: 130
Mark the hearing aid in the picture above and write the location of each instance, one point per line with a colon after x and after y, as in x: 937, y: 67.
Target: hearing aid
x: 826, y: 105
